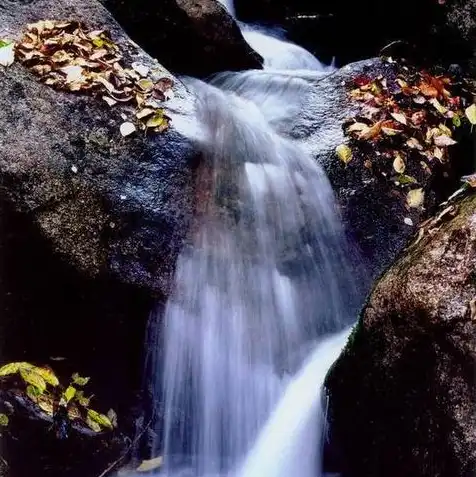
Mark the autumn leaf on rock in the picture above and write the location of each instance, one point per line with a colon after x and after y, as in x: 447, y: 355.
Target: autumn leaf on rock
x: 415, y: 198
x: 371, y: 132
x: 399, y: 117
x: 443, y: 140
x: 399, y: 164
x: 344, y: 152
x: 127, y: 129
x: 470, y: 113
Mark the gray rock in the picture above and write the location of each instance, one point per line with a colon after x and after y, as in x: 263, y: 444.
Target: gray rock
x: 111, y: 206
x: 373, y: 209
x: 402, y: 393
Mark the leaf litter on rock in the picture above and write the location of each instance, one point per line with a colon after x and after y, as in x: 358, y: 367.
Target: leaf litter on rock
x: 406, y: 121
x: 66, y: 56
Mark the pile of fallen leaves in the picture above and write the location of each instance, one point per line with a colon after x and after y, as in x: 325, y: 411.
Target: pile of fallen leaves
x: 41, y: 386
x: 65, y: 55
x: 406, y: 123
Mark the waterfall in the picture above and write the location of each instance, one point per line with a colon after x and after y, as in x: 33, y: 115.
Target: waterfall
x: 265, y: 278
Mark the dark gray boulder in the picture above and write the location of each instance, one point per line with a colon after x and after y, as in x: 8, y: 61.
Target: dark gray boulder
x: 402, y: 393
x: 190, y: 37
x: 109, y: 205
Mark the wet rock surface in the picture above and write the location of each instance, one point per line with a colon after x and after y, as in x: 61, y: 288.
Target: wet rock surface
x: 91, y: 223
x: 112, y: 206
x: 190, y: 37
x: 402, y: 392
x: 374, y: 210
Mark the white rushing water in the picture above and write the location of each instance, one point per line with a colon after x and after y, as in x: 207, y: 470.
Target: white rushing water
x: 265, y: 277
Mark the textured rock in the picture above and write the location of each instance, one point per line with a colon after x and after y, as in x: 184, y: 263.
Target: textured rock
x: 402, y: 393
x: 125, y: 212
x: 373, y: 209
x: 192, y: 37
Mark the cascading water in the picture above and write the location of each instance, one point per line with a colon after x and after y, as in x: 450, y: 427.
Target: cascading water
x: 265, y: 277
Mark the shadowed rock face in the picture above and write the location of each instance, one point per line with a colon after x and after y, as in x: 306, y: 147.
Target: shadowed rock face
x: 351, y: 31
x: 191, y: 37
x: 125, y: 212
x: 402, y: 393
x: 91, y: 224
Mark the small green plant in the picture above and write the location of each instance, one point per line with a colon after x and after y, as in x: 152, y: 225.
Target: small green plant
x: 43, y: 388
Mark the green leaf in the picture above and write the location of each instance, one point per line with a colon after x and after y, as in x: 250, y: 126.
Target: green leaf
x: 344, y: 152
x: 4, y: 420
x: 156, y: 120
x: 30, y: 376
x: 48, y: 375
x: 4, y: 43
x: 78, y: 380
x: 81, y: 399
x: 470, y: 113
x: 456, y: 121
x: 404, y: 179
x: 93, y: 424
x: 12, y: 368
x: 101, y: 419
x: 32, y: 393
x: 69, y: 393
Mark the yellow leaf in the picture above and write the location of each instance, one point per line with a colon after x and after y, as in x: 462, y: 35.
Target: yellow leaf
x: 156, y: 120
x: 30, y: 376
x: 32, y: 393
x: 415, y: 198
x: 148, y: 465
x: 4, y: 420
x: 93, y: 424
x: 438, y: 106
x: 399, y: 164
x: 46, y: 405
x: 12, y: 368
x: 470, y: 113
x: 78, y: 380
x: 101, y: 419
x: 47, y: 375
x: 356, y: 127
x: 445, y: 129
x: 344, y: 152
x: 69, y: 393
x: 371, y: 131
x: 81, y: 399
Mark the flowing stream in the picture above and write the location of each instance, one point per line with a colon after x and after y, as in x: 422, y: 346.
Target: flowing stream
x: 264, y: 291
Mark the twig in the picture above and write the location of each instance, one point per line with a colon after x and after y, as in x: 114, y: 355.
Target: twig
x: 121, y: 457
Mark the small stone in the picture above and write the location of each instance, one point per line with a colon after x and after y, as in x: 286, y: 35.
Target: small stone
x: 74, y: 169
x: 123, y: 197
x: 408, y: 221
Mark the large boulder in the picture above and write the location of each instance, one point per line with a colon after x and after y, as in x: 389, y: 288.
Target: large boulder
x: 91, y: 223
x: 402, y: 393
x: 111, y: 206
x: 191, y: 37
